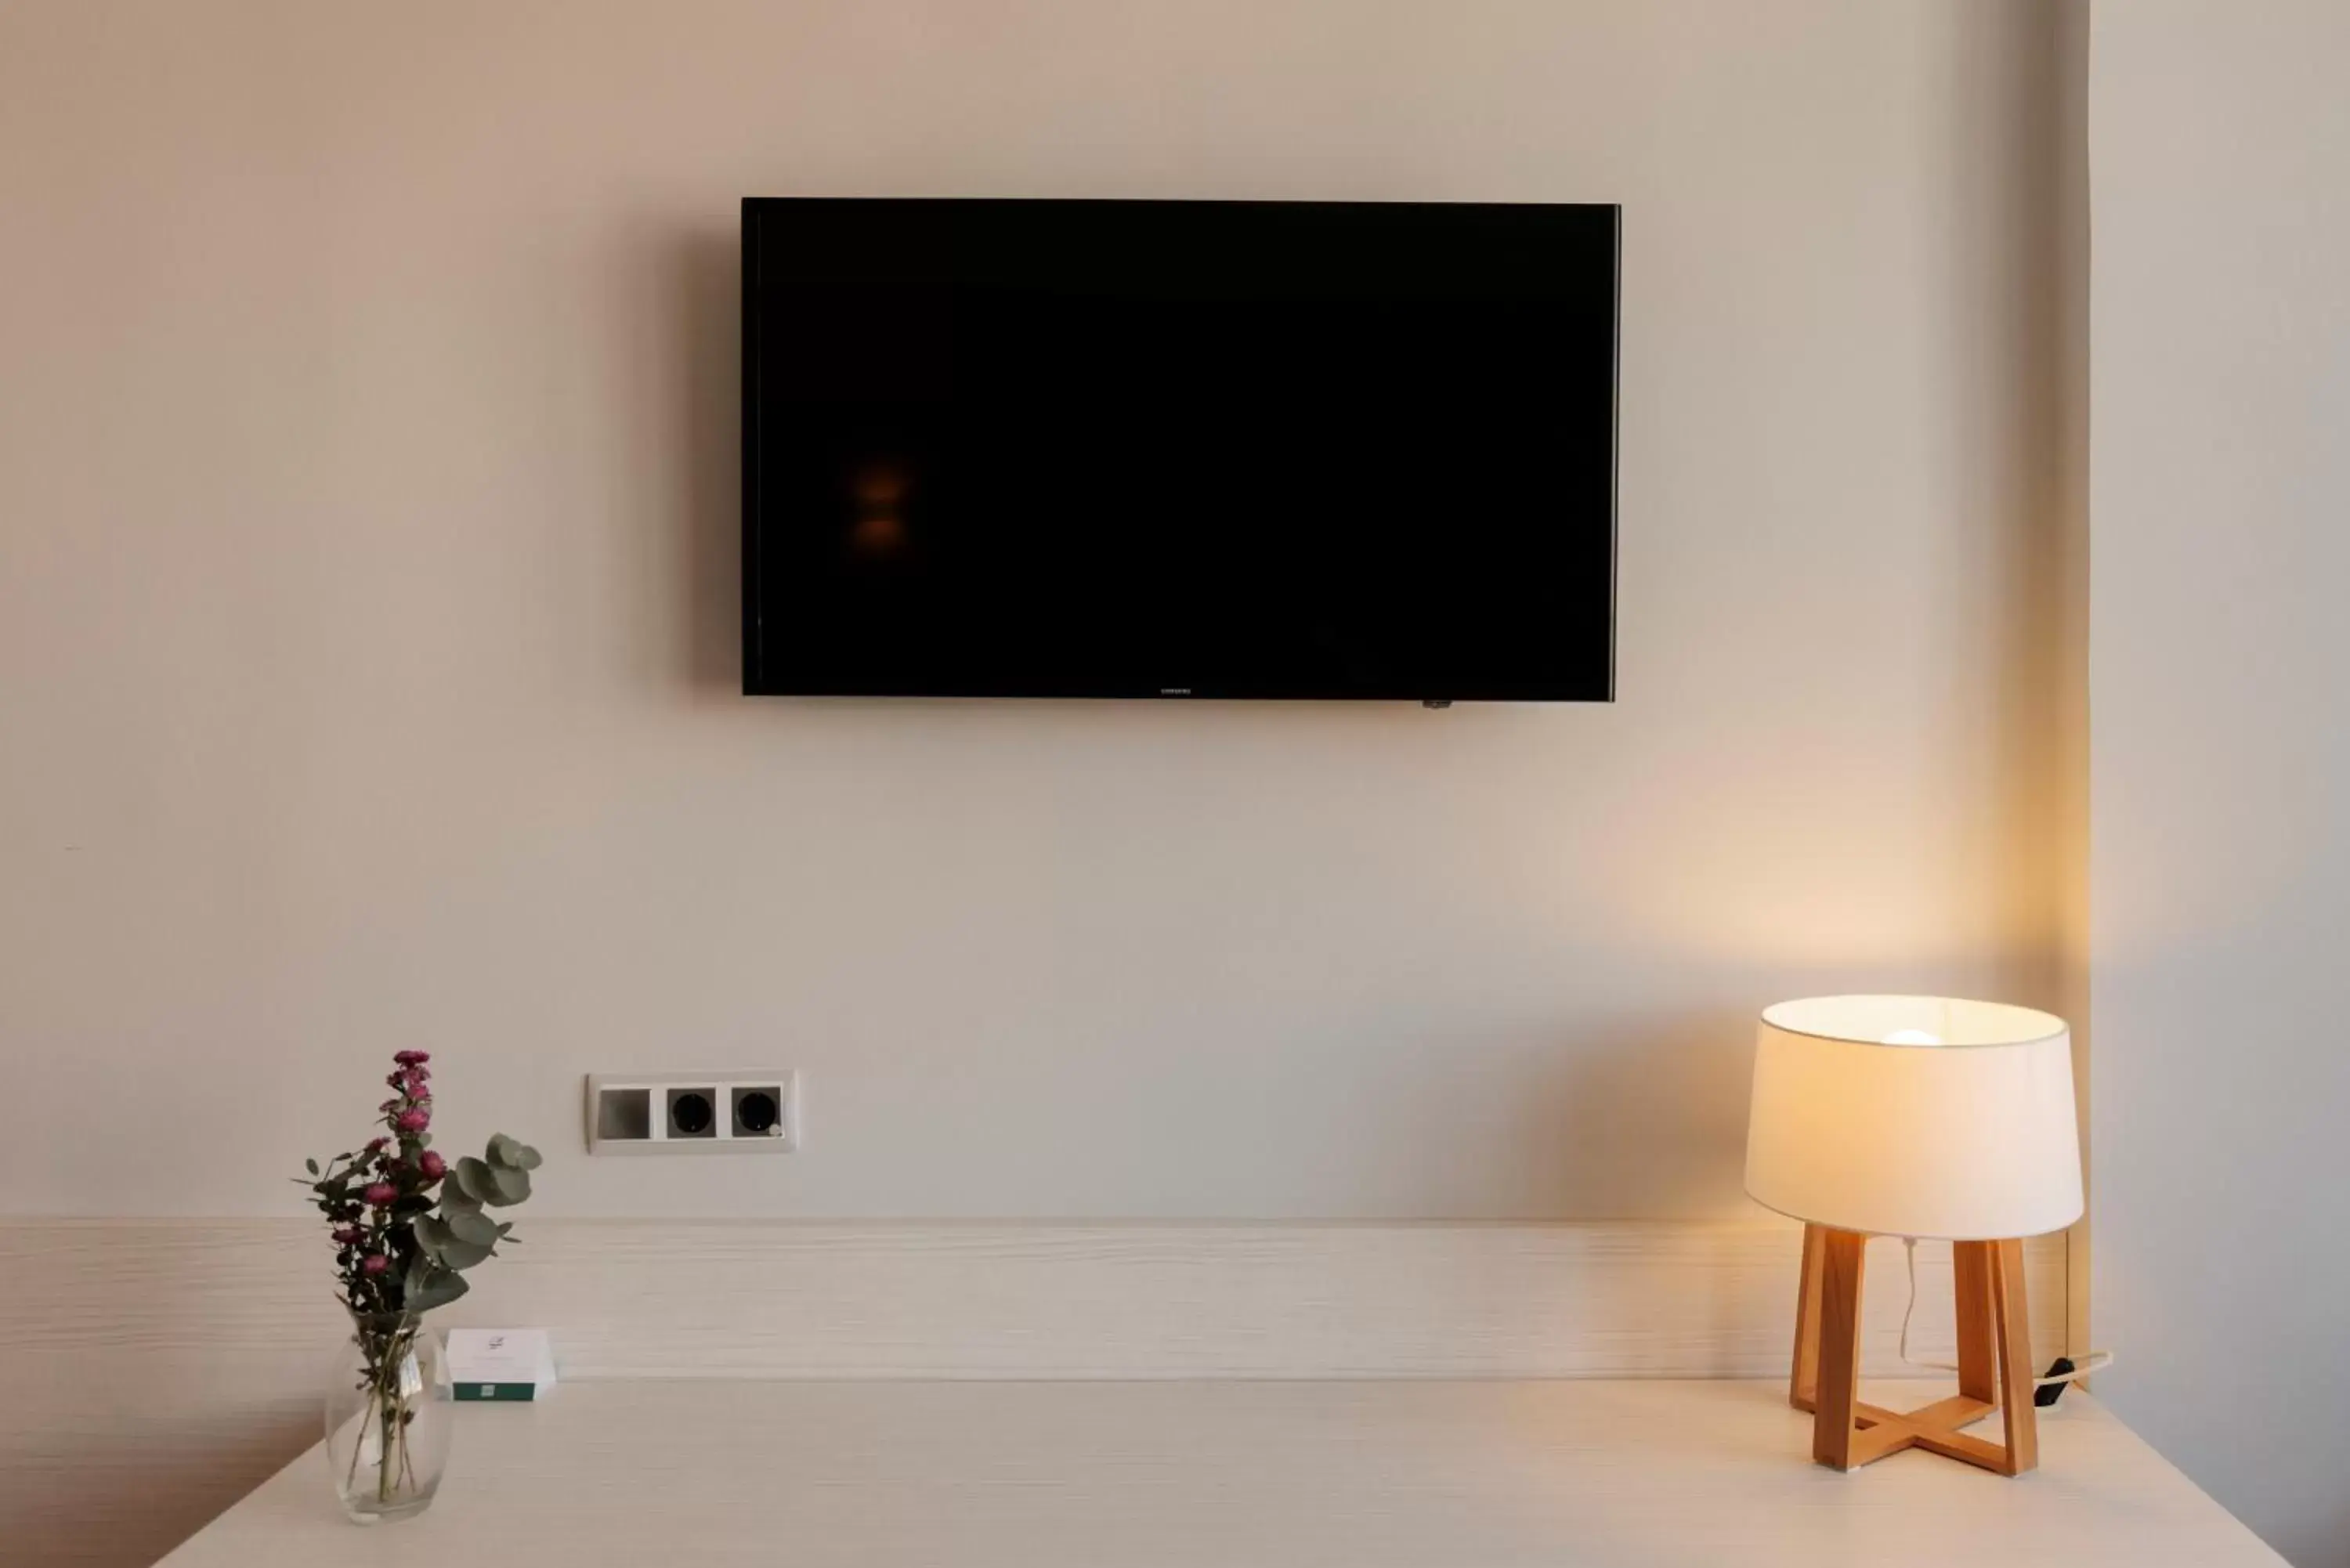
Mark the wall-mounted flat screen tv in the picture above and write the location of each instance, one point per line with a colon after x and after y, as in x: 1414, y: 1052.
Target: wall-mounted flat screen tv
x: 1203, y: 450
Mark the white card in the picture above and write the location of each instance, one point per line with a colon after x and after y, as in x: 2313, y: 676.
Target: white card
x: 502, y: 1359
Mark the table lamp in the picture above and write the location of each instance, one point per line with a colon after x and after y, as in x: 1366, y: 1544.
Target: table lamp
x: 1916, y: 1117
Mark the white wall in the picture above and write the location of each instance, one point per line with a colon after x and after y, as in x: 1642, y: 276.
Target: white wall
x: 2221, y: 696
x: 367, y: 506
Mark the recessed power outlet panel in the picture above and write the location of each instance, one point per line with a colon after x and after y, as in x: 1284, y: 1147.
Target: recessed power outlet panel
x: 758, y: 1113
x: 623, y: 1115
x: 695, y: 1113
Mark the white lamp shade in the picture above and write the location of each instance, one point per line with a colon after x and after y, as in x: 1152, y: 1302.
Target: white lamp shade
x: 1915, y: 1116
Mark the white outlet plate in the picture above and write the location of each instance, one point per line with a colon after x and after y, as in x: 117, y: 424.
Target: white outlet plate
x: 630, y: 1112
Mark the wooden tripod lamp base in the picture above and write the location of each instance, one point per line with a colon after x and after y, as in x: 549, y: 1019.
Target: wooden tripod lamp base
x: 1994, y: 1360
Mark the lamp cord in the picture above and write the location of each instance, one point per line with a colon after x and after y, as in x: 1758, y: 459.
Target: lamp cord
x: 2096, y: 1361
x: 1909, y: 1255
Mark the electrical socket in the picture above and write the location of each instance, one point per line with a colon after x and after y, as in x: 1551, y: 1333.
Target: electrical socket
x: 748, y: 1112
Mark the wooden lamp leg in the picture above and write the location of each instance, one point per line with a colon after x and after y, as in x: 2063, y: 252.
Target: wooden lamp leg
x: 1802, y: 1387
x: 2016, y: 1385
x: 1970, y: 1269
x: 1994, y: 1360
x: 1833, y: 1428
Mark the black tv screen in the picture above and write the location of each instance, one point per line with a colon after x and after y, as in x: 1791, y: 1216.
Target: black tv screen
x: 1178, y: 449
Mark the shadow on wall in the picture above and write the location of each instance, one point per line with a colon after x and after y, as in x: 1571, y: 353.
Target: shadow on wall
x: 1650, y: 1122
x: 705, y: 281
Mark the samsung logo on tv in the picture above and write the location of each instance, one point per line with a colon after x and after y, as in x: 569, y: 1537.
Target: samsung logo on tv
x: 1174, y: 691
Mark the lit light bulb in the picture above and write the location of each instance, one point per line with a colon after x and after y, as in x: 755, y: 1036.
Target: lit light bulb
x: 1912, y: 1038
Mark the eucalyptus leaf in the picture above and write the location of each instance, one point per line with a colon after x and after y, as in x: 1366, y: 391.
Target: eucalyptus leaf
x: 512, y: 1153
x: 472, y: 1225
x: 430, y: 1235
x: 311, y: 1166
x: 456, y: 1254
x: 439, y: 1289
x: 508, y: 1187
x: 473, y: 1179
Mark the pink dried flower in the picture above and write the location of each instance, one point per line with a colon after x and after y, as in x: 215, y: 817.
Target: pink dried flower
x: 348, y: 1236
x: 413, y: 1121
x: 374, y: 1263
x: 411, y: 1058
x: 376, y: 1145
x: 434, y: 1166
x: 379, y: 1194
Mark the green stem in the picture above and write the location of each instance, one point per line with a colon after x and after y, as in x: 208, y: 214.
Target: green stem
x: 407, y: 1464
x: 387, y: 1412
x: 359, y: 1441
x: 384, y: 1472
x: 392, y: 1459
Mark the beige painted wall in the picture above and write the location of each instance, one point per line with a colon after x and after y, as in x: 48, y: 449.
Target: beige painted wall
x: 367, y: 514
x: 367, y: 505
x: 2220, y: 692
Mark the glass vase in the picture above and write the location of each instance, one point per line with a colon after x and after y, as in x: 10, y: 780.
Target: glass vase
x: 388, y: 1418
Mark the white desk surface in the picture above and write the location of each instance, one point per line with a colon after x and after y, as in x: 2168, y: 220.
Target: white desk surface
x: 1228, y: 1475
